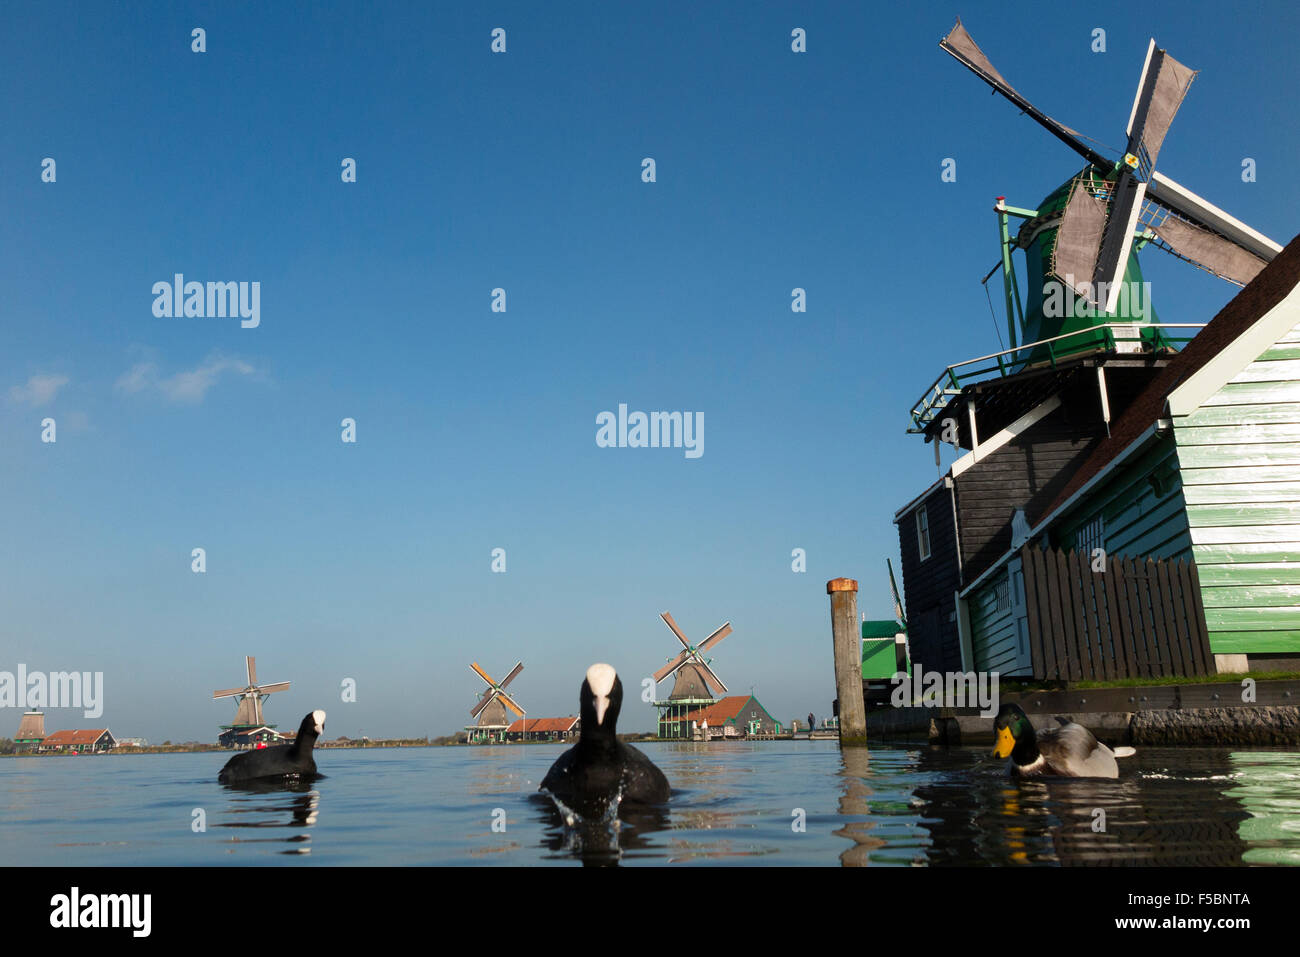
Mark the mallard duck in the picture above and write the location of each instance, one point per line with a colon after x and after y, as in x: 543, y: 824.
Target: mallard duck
x: 1068, y: 751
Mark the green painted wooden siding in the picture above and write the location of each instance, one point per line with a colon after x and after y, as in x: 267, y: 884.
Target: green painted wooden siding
x: 1240, y: 453
x: 993, y: 630
x: 1142, y: 508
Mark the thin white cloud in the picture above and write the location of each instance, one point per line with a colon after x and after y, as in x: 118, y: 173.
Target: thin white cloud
x: 140, y: 377
x: 39, y: 390
x: 193, y: 385
x: 189, y: 386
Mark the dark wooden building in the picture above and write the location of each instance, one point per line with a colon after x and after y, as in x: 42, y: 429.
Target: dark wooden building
x: 736, y: 716
x: 1022, y: 438
x: 544, y: 729
x: 88, y: 741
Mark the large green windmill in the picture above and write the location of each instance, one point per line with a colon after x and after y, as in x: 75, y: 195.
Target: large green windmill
x: 1082, y: 240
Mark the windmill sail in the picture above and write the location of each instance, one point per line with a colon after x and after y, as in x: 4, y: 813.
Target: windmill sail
x: 961, y: 46
x: 1161, y: 90
x: 1220, y: 256
x: 898, y: 602
x: 1074, y: 258
x: 1117, y: 241
x: 1160, y: 93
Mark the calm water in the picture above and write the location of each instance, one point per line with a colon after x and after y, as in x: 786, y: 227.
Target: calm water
x: 732, y: 804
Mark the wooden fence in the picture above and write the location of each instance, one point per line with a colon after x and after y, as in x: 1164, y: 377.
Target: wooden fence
x: 1137, y: 619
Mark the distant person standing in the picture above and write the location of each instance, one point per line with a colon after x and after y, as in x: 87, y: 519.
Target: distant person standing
x: 812, y: 722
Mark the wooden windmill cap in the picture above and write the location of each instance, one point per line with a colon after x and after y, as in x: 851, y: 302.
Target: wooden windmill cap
x: 841, y: 584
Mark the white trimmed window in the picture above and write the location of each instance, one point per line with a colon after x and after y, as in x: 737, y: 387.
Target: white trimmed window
x: 923, y: 533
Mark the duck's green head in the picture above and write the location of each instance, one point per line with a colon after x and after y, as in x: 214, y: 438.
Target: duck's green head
x: 1011, y: 727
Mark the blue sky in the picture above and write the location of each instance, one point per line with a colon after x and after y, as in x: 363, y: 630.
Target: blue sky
x: 476, y: 429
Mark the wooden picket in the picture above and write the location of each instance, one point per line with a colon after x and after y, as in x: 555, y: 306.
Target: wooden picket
x: 1140, y: 618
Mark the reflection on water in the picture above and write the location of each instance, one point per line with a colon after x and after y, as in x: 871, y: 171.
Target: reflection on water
x: 1168, y: 807
x: 272, y: 805
x: 621, y: 834
x: 1266, y: 784
x: 855, y: 804
x: 733, y: 802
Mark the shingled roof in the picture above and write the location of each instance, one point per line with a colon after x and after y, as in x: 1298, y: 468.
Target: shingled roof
x: 63, y: 739
x: 547, y: 725
x: 1264, y: 292
x: 722, y: 710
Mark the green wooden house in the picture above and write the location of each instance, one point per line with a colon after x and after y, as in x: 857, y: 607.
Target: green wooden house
x: 1125, y: 500
x: 884, y: 649
x: 735, y: 716
x: 1200, y: 472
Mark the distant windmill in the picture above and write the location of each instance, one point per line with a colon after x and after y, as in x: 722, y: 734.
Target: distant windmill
x: 249, y: 713
x: 492, y: 705
x: 695, y: 679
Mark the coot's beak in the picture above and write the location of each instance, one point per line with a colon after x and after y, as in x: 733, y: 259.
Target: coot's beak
x: 602, y: 704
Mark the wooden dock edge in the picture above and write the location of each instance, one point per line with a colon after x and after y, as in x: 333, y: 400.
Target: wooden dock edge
x: 1202, y: 714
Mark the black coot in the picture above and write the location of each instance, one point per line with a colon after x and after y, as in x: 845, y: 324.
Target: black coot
x: 282, y: 761
x: 600, y: 767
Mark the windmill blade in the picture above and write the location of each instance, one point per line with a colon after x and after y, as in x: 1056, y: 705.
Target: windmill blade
x: 228, y: 693
x: 1209, y: 250
x: 898, y: 602
x: 482, y: 674
x: 713, y: 681
x: 273, y: 688
x: 1117, y: 240
x: 1161, y: 89
x: 666, y: 670
x: 251, y: 664
x: 513, y: 672
x: 668, y: 620
x: 1160, y: 93
x: 509, y: 702
x: 961, y: 46
x: 483, y: 702
x: 1201, y: 212
x: 1078, y: 240
x: 716, y: 637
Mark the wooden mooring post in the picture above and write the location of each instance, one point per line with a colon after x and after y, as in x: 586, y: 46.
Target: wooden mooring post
x: 848, y: 660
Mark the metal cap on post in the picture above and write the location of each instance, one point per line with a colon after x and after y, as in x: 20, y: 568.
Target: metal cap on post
x: 848, y: 660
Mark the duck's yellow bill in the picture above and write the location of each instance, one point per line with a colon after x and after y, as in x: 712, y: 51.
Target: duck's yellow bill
x: 1005, y: 744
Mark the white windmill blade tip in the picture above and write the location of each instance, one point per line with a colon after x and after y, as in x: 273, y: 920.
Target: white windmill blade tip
x: 1213, y: 215
x: 1137, y: 97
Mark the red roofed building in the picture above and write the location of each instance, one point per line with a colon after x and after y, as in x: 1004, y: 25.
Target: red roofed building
x: 89, y: 741
x: 544, y: 729
x: 736, y: 716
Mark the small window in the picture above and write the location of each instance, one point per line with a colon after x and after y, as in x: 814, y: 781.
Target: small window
x: 1003, y: 592
x: 923, y: 533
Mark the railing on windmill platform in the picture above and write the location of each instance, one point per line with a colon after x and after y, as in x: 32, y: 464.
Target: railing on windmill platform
x: 1111, y: 337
